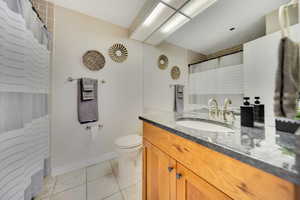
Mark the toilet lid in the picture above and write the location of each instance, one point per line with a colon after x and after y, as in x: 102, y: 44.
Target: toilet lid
x: 129, y: 141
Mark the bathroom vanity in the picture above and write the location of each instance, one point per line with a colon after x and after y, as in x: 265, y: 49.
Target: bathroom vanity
x: 182, y: 163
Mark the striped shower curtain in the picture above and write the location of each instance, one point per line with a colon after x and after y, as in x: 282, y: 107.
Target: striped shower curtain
x: 24, y: 83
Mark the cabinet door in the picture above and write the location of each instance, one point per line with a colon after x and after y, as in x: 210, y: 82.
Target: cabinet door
x: 159, y: 174
x: 192, y: 187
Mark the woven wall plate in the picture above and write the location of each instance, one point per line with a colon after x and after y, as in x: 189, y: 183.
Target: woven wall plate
x: 175, y: 73
x: 163, y: 62
x: 93, y: 60
x: 118, y: 53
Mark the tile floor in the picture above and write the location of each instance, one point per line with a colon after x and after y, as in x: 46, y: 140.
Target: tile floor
x: 96, y: 182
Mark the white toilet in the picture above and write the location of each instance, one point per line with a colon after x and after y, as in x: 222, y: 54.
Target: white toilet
x: 128, y: 149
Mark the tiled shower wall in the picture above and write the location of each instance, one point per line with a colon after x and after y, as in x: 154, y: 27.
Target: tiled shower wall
x: 46, y: 11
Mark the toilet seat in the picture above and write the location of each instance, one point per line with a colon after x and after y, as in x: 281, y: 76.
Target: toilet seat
x: 129, y: 142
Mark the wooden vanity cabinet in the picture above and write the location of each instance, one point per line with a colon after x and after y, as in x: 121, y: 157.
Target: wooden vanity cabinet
x: 166, y: 179
x: 160, y: 174
x: 192, y: 187
x: 175, y: 168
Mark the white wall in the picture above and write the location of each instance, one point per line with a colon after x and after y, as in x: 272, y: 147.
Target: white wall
x: 130, y: 84
x: 120, y: 99
x: 157, y: 93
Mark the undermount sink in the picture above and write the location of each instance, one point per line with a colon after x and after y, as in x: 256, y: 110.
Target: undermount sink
x: 204, y: 125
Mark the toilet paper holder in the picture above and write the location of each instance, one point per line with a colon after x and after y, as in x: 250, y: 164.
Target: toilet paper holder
x: 89, y: 127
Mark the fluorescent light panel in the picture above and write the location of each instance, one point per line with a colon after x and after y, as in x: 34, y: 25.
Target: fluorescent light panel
x: 154, y: 14
x: 175, y: 3
x: 174, y: 23
x: 194, y: 7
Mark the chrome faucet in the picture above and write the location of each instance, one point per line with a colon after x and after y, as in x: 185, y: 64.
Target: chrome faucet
x: 213, y: 107
x: 225, y: 110
x: 226, y: 103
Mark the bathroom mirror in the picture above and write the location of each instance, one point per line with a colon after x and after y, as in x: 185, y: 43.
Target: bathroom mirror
x: 233, y: 55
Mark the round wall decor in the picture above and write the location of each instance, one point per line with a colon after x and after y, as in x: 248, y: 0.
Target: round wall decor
x: 118, y: 53
x: 93, y: 60
x: 175, y: 73
x: 163, y: 62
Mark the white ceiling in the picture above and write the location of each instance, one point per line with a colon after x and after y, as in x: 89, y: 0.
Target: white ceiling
x: 119, y: 12
x: 209, y: 31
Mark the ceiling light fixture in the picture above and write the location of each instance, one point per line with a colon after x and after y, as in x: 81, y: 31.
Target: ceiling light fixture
x: 194, y: 7
x: 154, y: 14
x: 176, y: 4
x: 174, y: 23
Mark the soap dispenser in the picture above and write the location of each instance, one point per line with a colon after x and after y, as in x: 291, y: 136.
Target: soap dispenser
x: 259, y: 111
x: 247, y: 113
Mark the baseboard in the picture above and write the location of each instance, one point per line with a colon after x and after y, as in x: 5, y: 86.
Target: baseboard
x: 75, y: 166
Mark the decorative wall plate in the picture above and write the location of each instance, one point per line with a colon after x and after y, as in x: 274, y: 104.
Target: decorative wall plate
x: 93, y: 60
x: 118, y: 53
x: 163, y: 62
x: 175, y: 73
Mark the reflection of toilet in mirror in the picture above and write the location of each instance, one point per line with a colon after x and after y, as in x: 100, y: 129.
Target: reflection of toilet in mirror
x: 128, y: 149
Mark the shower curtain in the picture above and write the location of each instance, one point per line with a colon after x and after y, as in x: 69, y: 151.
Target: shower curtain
x: 24, y: 83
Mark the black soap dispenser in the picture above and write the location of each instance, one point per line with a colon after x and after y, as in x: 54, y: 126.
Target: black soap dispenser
x: 259, y: 111
x: 247, y: 113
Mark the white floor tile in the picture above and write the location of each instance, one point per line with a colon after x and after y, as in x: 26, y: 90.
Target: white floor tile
x: 114, y: 165
x: 97, y: 171
x: 102, y: 187
x: 130, y: 193
x: 48, y: 187
x: 78, y: 193
x: 126, y: 182
x: 69, y: 180
x: 40, y: 198
x: 117, y: 196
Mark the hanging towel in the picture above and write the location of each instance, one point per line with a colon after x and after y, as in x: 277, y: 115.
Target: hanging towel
x: 178, y: 98
x: 287, y: 79
x: 87, y: 109
x: 88, y: 84
x: 87, y: 89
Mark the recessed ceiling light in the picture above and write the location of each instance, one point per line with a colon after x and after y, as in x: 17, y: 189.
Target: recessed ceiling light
x: 174, y: 23
x: 154, y: 14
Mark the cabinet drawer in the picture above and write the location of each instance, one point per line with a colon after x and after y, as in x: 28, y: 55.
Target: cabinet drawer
x: 234, y: 178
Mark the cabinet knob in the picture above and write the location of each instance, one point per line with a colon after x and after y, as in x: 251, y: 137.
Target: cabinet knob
x: 178, y: 176
x: 170, y: 169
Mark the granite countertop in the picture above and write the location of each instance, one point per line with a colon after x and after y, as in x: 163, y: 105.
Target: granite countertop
x: 261, y: 147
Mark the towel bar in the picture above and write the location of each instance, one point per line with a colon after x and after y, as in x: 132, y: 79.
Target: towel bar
x: 172, y: 85
x: 70, y: 79
x: 89, y: 127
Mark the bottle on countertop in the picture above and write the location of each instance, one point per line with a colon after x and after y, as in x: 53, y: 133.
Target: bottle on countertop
x: 247, y: 113
x: 259, y: 111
